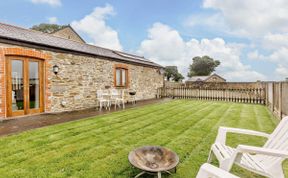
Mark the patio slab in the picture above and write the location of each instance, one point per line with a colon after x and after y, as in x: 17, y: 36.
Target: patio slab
x: 20, y: 124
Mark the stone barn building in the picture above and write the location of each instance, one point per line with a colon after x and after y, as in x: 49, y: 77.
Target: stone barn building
x: 209, y: 78
x: 39, y: 72
x: 69, y: 33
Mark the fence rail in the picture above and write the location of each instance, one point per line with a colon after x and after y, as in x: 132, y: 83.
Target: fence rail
x: 251, y: 95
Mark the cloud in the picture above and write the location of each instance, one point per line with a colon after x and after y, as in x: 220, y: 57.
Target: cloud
x: 282, y: 70
x: 214, y: 21
x: 94, y: 25
x: 255, y: 17
x: 49, y: 2
x: 276, y: 51
x: 280, y: 57
x: 53, y: 20
x: 166, y: 46
x: 254, y: 55
x: 162, y: 35
x: 275, y: 41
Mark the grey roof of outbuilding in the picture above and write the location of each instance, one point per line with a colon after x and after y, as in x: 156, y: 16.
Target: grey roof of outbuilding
x: 203, y: 78
x: 198, y: 78
x: 43, y: 39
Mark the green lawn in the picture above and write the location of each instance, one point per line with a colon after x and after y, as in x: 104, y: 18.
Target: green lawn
x: 98, y: 147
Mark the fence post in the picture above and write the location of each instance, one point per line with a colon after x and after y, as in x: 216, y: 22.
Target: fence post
x: 280, y: 100
x: 266, y: 94
x: 272, y: 104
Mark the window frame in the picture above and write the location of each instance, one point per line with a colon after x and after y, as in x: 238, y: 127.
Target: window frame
x: 121, y: 67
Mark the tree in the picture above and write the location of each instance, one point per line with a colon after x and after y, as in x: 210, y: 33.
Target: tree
x: 178, y: 77
x: 47, y: 28
x: 202, y: 66
x: 171, y: 73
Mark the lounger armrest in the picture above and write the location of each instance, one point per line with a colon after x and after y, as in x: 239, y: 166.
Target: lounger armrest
x: 261, y: 150
x: 208, y: 170
x: 222, y: 132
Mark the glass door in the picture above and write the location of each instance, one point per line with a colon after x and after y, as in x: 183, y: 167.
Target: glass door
x: 34, y: 88
x: 25, y: 86
x: 17, y: 87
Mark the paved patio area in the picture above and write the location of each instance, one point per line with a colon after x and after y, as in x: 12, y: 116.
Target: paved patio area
x: 20, y: 124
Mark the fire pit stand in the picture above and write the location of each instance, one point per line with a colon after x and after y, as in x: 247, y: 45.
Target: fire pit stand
x: 132, y: 97
x: 153, y: 160
x: 152, y: 173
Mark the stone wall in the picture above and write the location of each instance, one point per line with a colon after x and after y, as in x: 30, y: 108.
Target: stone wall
x: 80, y: 76
x: 215, y: 79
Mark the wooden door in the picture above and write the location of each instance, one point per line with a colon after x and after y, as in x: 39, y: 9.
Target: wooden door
x: 24, y: 86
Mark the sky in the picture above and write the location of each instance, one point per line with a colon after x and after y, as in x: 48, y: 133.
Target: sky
x: 248, y: 37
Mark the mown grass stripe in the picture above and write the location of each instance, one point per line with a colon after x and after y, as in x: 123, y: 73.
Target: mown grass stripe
x: 202, y: 148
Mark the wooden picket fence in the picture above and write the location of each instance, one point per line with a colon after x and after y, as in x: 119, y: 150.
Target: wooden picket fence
x: 243, y: 95
x: 277, y: 98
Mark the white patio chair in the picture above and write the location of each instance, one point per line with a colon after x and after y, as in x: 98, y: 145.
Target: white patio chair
x: 114, y: 96
x: 266, y: 160
x: 101, y: 100
x: 210, y: 171
x: 120, y: 99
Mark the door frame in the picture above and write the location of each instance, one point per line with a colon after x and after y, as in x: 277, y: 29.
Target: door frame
x: 26, y: 110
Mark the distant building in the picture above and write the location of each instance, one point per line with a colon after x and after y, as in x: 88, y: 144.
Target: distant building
x: 69, y: 33
x: 209, y: 78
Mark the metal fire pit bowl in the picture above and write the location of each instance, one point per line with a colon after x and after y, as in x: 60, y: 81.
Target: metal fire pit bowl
x: 153, y: 159
x: 132, y: 93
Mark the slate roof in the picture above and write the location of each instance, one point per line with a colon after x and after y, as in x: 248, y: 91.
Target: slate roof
x: 47, y: 40
x: 197, y: 78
